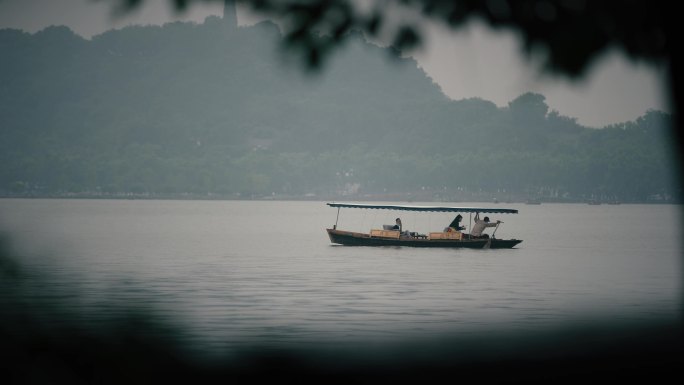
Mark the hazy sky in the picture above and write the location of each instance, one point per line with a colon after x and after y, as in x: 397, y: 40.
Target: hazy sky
x: 472, y: 62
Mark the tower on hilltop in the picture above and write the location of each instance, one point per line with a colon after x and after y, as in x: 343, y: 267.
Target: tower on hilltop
x: 229, y: 14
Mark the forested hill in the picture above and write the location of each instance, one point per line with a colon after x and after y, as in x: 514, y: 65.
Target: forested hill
x: 206, y: 109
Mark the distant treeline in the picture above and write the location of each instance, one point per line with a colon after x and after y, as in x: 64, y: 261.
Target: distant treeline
x: 210, y: 109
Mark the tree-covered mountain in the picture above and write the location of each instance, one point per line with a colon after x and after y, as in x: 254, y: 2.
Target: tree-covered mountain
x: 212, y: 109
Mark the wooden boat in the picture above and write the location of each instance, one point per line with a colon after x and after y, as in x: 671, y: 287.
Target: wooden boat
x: 391, y: 237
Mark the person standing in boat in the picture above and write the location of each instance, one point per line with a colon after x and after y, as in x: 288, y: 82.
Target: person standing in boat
x: 480, y: 225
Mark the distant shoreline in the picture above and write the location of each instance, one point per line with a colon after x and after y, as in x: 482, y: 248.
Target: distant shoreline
x: 398, y: 197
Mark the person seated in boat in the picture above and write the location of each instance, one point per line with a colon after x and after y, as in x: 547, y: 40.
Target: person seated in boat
x: 398, y: 226
x: 455, y: 225
x: 480, y: 226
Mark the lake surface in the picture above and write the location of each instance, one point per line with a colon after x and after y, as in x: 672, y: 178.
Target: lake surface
x: 226, y: 274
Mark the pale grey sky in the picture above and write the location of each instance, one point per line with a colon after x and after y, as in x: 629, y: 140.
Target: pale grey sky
x: 472, y: 62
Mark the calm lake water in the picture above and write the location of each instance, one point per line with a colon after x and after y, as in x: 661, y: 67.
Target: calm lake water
x: 228, y: 273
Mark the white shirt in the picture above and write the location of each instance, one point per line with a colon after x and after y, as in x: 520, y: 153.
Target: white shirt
x: 479, y: 227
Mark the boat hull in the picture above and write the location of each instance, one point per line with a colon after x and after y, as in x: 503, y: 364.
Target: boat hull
x: 349, y: 238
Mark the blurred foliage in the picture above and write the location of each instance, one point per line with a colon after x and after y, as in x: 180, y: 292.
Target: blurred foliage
x: 568, y: 33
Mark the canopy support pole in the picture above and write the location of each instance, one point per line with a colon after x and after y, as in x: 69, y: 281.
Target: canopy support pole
x: 338, y: 217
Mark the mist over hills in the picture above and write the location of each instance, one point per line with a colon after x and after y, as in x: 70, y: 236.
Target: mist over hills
x: 211, y: 109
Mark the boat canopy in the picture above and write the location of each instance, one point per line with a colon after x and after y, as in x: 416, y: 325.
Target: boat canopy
x: 426, y: 208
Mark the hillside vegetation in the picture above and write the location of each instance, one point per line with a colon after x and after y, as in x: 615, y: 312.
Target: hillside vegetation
x: 203, y: 109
